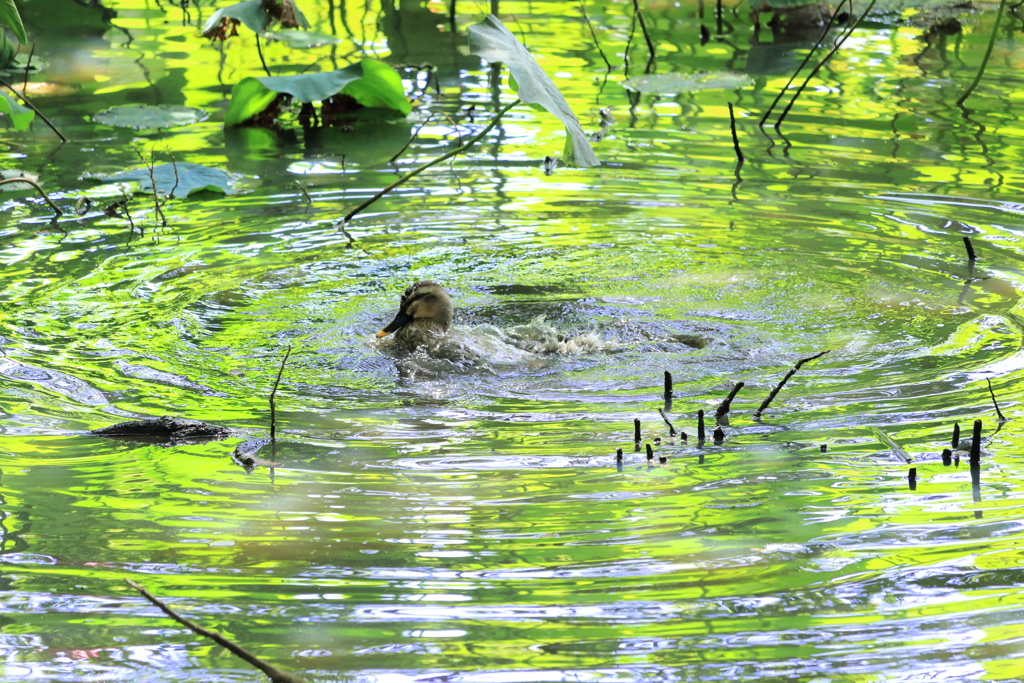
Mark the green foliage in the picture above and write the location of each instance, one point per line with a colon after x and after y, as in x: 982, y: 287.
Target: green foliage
x: 8, y: 50
x: 177, y: 180
x: 675, y: 83
x: 9, y: 15
x: 20, y: 116
x: 369, y: 82
x: 492, y: 41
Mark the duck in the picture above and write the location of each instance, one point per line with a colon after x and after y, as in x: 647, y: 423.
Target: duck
x: 423, y: 326
x: 425, y: 313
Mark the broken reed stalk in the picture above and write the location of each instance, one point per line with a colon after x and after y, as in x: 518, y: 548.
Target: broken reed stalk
x: 650, y: 452
x: 984, y: 60
x: 668, y: 385
x: 419, y: 169
x: 31, y: 106
x: 976, y: 444
x: 912, y: 478
x: 956, y: 436
x: 593, y: 34
x: 947, y: 457
x: 1002, y: 418
x: 894, y: 447
x: 273, y: 395
x: 618, y: 454
x: 771, y: 397
x: 722, y: 413
x: 636, y: 432
x: 735, y: 139
x: 718, y: 436
x: 276, y: 675
x: 647, y: 36
x: 700, y: 428
x: 40, y: 190
x: 671, y: 427
x: 828, y: 27
x: 814, y: 71
x: 971, y: 256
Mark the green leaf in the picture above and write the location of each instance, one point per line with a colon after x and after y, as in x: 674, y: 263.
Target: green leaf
x: 675, y: 84
x: 248, y: 98
x: 188, y: 178
x: 142, y: 116
x: 301, y: 39
x: 369, y: 82
x: 8, y: 50
x: 9, y: 15
x: 21, y: 116
x: 492, y: 41
x: 250, y: 13
x: 380, y: 86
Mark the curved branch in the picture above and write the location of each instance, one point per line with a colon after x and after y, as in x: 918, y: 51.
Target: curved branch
x: 40, y: 190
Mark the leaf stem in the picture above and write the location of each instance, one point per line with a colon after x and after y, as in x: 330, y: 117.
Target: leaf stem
x: 39, y: 189
x: 33, y: 108
x: 984, y: 61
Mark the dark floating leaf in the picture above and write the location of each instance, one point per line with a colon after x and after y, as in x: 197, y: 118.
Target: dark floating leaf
x: 301, y: 39
x: 190, y: 178
x: 164, y: 430
x: 675, y: 83
x: 492, y: 41
x: 142, y: 116
x: 17, y: 67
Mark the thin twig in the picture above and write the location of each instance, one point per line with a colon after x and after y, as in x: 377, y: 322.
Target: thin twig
x: 276, y: 675
x: 128, y: 215
x: 419, y: 169
x: 735, y: 139
x: 411, y: 138
x: 722, y: 413
x: 814, y: 71
x: 984, y: 60
x: 309, y: 200
x: 174, y: 165
x: 259, y: 51
x: 273, y: 394
x: 807, y: 58
x: 771, y: 397
x: 994, y: 402
x: 41, y: 191
x: 647, y: 36
x: 593, y: 34
x: 31, y: 106
x: 28, y: 65
x: 629, y: 44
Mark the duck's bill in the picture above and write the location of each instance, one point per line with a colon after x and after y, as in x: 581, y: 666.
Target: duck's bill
x: 399, y: 320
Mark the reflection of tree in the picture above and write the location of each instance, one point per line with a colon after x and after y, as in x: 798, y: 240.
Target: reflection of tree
x: 414, y: 36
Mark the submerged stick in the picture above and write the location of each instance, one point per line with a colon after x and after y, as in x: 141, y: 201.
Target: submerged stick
x: 984, y: 60
x: 947, y: 457
x: 718, y: 436
x: 419, y: 169
x: 618, y: 454
x: 894, y: 447
x: 771, y: 397
x: 955, y: 442
x: 976, y: 444
x: 722, y: 413
x: 971, y: 256
x: 276, y: 675
x: 650, y: 452
x: 912, y: 478
x: 735, y: 139
x: 671, y: 427
x: 814, y: 71
x: 668, y: 385
x: 40, y: 190
x: 593, y: 34
x: 1002, y: 418
x: 273, y: 394
x: 700, y: 428
x: 647, y: 36
x: 775, y: 102
x: 636, y: 430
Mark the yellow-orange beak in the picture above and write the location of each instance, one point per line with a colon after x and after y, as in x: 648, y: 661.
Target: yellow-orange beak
x: 382, y: 333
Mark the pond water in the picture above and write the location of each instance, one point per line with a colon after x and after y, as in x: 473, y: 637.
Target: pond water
x: 470, y: 524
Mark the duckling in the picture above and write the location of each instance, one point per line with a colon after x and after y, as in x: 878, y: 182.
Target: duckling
x: 424, y: 314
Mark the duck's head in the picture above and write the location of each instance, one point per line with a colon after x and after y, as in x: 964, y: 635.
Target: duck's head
x: 424, y: 305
